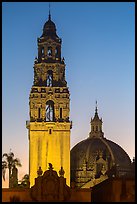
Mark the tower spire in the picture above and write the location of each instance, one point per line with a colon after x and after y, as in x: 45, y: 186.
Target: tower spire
x: 49, y: 12
x: 96, y: 109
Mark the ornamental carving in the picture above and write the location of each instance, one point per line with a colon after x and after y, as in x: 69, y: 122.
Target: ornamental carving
x: 50, y: 187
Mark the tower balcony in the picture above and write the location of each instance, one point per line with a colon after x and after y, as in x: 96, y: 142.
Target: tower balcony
x: 44, y: 120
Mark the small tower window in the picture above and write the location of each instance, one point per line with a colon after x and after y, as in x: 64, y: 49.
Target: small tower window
x: 50, y: 111
x: 50, y: 131
x: 49, y: 78
x: 56, y: 52
x: 42, y: 51
x: 93, y: 128
x: 39, y: 113
x: 60, y: 112
x: 49, y: 51
x: 96, y: 128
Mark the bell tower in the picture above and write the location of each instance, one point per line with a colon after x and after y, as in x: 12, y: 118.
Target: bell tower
x: 49, y: 101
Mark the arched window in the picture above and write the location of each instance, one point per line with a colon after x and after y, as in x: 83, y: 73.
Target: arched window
x: 49, y: 52
x: 49, y: 78
x: 42, y: 51
x: 56, y: 52
x: 50, y: 111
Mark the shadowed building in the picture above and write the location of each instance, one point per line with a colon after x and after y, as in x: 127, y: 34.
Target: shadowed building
x: 96, y: 158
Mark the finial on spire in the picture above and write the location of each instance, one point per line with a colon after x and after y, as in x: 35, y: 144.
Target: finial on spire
x: 96, y: 107
x: 49, y: 12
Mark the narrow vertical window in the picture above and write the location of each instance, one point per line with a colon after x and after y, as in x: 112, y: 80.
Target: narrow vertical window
x: 96, y: 128
x: 50, y: 131
x: 93, y: 128
x: 39, y: 113
x: 42, y: 51
x: 49, y: 78
x: 56, y: 53
x: 60, y: 112
x: 50, y: 111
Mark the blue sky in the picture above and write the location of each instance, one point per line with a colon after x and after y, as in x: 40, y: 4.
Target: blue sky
x: 98, y: 44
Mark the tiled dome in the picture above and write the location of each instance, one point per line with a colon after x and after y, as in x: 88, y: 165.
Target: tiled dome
x: 97, y: 154
x: 90, y: 148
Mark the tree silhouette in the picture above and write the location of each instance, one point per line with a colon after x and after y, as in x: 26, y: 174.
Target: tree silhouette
x: 9, y: 163
x: 4, y: 167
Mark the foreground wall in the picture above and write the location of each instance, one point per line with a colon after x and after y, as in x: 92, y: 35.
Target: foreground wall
x: 80, y: 195
x: 14, y: 195
x: 23, y: 195
x: 114, y: 190
x: 111, y: 190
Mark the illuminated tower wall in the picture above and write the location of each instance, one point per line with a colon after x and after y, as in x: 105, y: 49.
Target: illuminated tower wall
x: 49, y: 101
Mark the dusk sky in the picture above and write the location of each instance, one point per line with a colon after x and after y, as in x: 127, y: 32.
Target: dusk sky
x: 98, y: 44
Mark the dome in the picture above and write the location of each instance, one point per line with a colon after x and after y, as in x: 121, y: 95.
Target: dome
x: 49, y: 28
x: 96, y: 158
x: 91, y: 148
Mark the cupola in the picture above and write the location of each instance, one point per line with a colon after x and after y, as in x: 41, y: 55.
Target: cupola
x: 96, y: 125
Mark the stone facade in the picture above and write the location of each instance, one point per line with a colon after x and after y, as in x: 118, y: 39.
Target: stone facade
x: 96, y: 158
x: 49, y: 101
x: 88, y: 176
x: 50, y: 187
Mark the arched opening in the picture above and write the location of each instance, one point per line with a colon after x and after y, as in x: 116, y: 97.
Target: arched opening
x: 50, y: 111
x: 49, y: 52
x: 49, y: 78
x: 99, y: 168
x: 42, y: 51
x: 57, y: 52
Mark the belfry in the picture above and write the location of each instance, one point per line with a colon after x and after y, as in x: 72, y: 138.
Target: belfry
x: 49, y: 103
